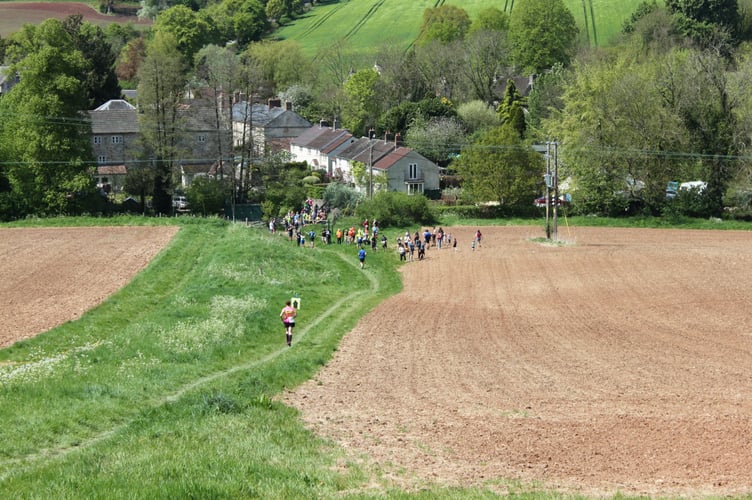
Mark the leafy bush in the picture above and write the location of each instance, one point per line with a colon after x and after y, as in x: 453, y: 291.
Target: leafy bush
x: 738, y: 203
x: 206, y: 196
x: 396, y: 209
x: 690, y: 203
x: 342, y: 197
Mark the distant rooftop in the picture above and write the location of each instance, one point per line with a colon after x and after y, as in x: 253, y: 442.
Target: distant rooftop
x: 115, y: 105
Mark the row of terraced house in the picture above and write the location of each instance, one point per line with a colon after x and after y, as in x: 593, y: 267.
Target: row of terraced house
x: 269, y: 127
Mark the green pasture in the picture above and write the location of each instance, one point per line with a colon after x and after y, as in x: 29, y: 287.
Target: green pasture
x: 366, y: 25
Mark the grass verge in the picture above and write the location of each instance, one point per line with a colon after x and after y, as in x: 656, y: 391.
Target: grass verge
x: 167, y: 388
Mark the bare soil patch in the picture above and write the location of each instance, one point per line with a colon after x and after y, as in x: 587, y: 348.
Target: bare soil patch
x: 13, y: 15
x: 52, y: 275
x: 621, y: 362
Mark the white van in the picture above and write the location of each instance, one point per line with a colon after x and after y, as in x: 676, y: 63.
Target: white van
x: 180, y: 203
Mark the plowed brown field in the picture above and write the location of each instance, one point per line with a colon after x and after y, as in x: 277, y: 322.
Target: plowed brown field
x: 52, y: 275
x: 13, y: 15
x: 621, y: 362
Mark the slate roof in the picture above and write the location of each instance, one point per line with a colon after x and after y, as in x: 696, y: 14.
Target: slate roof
x: 373, y: 151
x: 322, y: 139
x: 264, y: 116
x: 261, y: 114
x: 117, y: 121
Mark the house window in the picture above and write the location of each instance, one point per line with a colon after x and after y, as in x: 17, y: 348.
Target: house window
x: 412, y: 171
x: 414, y: 188
x: 117, y: 139
x: 201, y: 137
x: 97, y: 139
x: 102, y: 159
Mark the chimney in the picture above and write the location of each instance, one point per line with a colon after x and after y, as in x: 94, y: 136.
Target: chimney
x: 334, y: 126
x: 322, y: 123
x: 274, y: 103
x: 387, y: 134
x: 288, y: 106
x: 397, y: 139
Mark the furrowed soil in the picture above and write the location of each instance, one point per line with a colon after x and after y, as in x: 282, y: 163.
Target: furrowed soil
x: 52, y: 275
x: 13, y: 15
x: 618, y: 362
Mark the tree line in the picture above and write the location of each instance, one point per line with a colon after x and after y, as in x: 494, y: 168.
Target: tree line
x: 667, y: 101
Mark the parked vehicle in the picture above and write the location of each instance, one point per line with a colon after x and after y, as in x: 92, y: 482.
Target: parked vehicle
x: 540, y: 202
x: 673, y: 188
x: 180, y: 203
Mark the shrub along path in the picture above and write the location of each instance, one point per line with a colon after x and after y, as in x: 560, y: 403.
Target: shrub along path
x: 619, y: 363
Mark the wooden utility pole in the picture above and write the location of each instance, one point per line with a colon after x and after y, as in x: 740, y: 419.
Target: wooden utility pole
x: 556, y: 190
x: 547, y: 179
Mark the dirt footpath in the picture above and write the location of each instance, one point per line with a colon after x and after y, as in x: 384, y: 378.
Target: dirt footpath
x: 621, y: 362
x: 52, y: 275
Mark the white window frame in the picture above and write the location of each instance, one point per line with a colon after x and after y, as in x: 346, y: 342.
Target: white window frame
x: 415, y: 188
x: 102, y: 159
x: 117, y: 139
x: 97, y: 139
x: 412, y: 170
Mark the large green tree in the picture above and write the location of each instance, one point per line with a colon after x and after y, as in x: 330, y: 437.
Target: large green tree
x: 361, y: 107
x: 44, y: 132
x: 490, y: 19
x: 191, y: 30
x: 484, y: 57
x: 698, y: 87
x: 241, y: 21
x: 724, y: 13
x: 500, y: 167
x: 217, y: 69
x: 282, y: 64
x: 707, y: 22
x: 541, y: 34
x: 445, y: 23
x: 618, y: 136
x: 99, y: 77
x: 438, y: 138
x: 162, y: 82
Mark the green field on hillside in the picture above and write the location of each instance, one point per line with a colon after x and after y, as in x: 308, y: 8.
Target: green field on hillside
x: 369, y: 24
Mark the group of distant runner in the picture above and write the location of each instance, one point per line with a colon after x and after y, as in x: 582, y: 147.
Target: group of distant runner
x: 301, y: 226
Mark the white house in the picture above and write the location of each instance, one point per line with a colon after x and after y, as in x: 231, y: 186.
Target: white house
x: 318, y: 146
x: 410, y: 172
x: 335, y: 150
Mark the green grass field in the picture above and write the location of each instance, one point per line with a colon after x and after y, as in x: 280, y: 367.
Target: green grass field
x: 368, y: 24
x: 166, y: 389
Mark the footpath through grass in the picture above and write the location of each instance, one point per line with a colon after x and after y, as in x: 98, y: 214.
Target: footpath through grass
x: 167, y: 389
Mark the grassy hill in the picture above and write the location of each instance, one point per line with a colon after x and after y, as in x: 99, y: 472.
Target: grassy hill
x: 367, y: 24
